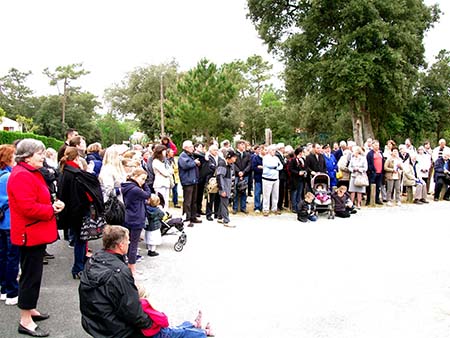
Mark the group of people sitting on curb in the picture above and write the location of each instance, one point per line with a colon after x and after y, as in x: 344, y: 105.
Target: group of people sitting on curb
x: 42, y: 190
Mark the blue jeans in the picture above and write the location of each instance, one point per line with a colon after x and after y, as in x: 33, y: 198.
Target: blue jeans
x: 297, y: 195
x: 175, y: 194
x: 9, y: 265
x: 185, y: 330
x: 257, y: 196
x: 79, y: 254
x: 239, y: 196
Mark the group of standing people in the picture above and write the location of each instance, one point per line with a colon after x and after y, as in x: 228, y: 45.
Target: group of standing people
x: 40, y: 193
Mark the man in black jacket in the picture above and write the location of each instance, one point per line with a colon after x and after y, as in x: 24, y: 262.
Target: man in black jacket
x: 242, y: 168
x: 109, y: 300
x: 315, y: 163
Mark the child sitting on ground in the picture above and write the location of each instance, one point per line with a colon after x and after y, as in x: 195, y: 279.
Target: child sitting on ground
x: 307, y: 209
x: 321, y: 194
x: 341, y: 203
x: 155, y: 215
x: 160, y: 327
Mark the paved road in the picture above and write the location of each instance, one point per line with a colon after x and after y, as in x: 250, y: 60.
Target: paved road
x: 383, y: 273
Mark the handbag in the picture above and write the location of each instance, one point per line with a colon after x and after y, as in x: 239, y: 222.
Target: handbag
x: 212, y: 187
x: 339, y: 175
x: 361, y: 180
x: 92, y: 226
x: 114, y: 210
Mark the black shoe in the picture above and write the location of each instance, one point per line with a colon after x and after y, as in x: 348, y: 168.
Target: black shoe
x: 417, y: 202
x: 423, y: 200
x: 436, y: 199
x: 45, y: 261
x: 152, y: 253
x: 177, y: 206
x: 196, y: 220
x: 38, y: 332
x: 190, y: 225
x: 48, y: 256
x: 209, y: 218
x: 234, y: 212
x: 353, y: 211
x: 41, y: 317
x: 244, y: 211
x: 77, y: 275
x: 379, y: 202
x: 446, y: 198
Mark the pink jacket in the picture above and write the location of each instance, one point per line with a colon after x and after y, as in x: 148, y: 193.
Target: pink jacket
x: 159, y: 319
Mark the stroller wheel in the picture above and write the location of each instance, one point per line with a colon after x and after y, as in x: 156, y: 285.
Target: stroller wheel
x: 183, y: 239
x: 178, y: 246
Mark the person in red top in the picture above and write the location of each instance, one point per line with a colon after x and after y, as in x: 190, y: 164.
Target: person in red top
x: 33, y: 226
x: 375, y: 165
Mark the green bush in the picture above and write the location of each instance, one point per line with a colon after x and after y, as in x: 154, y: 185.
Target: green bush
x: 8, y: 137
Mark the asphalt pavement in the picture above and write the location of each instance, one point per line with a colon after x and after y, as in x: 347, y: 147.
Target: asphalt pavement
x: 385, y: 272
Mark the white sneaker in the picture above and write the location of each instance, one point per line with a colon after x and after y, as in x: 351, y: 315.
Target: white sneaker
x: 257, y: 211
x: 389, y: 204
x: 399, y: 204
x: 3, y: 296
x: 12, y: 301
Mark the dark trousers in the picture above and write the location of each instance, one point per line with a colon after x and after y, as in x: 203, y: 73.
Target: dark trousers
x: 212, y: 205
x: 199, y: 196
x: 441, y: 183
x: 189, y: 201
x: 223, y: 209
x: 342, y: 214
x: 9, y: 265
x: 135, y: 235
x: 283, y: 195
x: 79, y: 254
x: 376, y: 179
x: 175, y: 194
x: 31, y: 263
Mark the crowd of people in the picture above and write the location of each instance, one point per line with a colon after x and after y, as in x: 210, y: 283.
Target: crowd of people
x: 42, y: 190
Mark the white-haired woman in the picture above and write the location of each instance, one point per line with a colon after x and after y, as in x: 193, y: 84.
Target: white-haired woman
x: 33, y: 226
x: 357, y: 167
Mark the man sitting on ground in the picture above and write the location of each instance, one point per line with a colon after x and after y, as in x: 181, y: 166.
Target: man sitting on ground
x: 109, y: 299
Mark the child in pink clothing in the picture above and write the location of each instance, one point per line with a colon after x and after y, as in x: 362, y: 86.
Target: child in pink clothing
x: 161, y: 328
x: 321, y: 194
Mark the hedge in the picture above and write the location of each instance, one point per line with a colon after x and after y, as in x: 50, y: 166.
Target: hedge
x: 8, y: 137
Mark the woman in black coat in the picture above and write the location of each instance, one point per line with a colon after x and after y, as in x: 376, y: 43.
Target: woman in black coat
x: 79, y: 190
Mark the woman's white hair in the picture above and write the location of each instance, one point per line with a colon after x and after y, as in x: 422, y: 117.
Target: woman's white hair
x: 27, y: 148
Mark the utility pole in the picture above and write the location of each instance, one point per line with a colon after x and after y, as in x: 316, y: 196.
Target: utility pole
x: 162, y: 105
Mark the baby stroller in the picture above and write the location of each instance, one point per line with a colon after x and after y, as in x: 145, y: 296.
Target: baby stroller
x: 320, y: 184
x: 168, y: 223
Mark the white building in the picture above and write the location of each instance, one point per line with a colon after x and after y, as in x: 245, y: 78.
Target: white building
x: 7, y: 124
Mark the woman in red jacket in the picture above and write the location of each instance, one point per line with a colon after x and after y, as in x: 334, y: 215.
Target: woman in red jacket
x: 33, y: 226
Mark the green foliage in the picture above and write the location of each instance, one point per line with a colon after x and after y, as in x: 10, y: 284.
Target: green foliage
x: 27, y: 123
x: 357, y: 56
x: 139, y: 95
x: 80, y: 114
x: 113, y: 131
x: 8, y: 137
x: 194, y: 106
x: 66, y: 74
x: 15, y: 97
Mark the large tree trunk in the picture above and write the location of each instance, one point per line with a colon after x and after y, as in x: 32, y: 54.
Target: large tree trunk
x: 366, y: 123
x: 356, y: 124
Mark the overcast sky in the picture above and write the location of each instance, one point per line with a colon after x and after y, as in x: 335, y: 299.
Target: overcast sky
x: 113, y: 37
